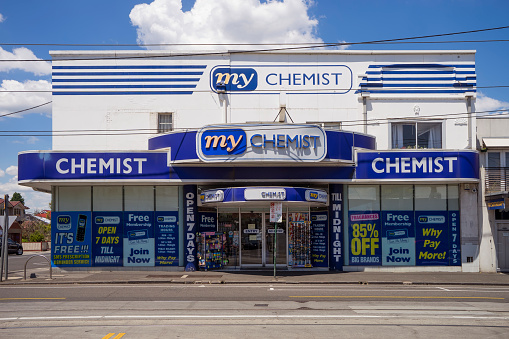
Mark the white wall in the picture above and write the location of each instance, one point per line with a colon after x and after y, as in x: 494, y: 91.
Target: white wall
x: 120, y: 112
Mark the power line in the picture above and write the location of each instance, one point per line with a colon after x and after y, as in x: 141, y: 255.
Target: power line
x: 311, y: 46
x: 339, y: 44
x: 26, y: 109
x: 149, y: 131
x: 365, y: 89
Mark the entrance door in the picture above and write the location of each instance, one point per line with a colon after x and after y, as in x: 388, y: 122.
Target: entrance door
x: 281, y: 246
x: 257, y: 240
x: 251, y: 229
x: 503, y: 247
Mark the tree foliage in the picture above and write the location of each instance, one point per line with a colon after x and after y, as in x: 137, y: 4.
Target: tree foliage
x: 18, y: 197
x: 33, y: 230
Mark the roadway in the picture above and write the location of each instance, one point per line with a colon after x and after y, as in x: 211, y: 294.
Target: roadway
x: 253, y: 311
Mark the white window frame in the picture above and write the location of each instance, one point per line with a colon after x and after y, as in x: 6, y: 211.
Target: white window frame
x: 416, y: 122
x: 172, y: 124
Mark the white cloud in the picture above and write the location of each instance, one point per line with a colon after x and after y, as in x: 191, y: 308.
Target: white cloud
x: 2, y: 18
x: 31, y: 140
x: 34, y: 200
x: 342, y: 47
x: 225, y: 22
x: 484, y: 103
x: 12, y: 170
x: 15, y: 101
x: 22, y: 53
x: 2, y: 172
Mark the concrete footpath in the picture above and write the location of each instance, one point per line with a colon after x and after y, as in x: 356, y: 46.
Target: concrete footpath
x: 38, y: 273
x: 255, y: 277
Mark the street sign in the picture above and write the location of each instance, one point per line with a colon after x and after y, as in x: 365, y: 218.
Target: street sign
x: 276, y: 212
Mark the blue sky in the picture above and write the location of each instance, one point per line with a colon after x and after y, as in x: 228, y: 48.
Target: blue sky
x: 115, y: 22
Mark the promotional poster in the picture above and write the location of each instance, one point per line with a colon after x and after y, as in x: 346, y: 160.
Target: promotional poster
x: 71, y: 244
x: 319, y: 239
x: 166, y: 235
x: 432, y: 244
x: 139, y: 239
x: 398, y: 238
x: 364, y: 231
x: 107, y: 239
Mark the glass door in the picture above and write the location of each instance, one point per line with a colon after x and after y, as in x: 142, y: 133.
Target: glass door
x: 251, y: 229
x: 281, y: 241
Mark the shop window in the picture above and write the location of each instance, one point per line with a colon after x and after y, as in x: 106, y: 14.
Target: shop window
x: 416, y: 135
x: 494, y: 159
x: 453, y: 198
x: 397, y: 197
x: 501, y: 215
x: 167, y: 198
x: 138, y: 198
x: 107, y: 198
x: 164, y: 122
x: 431, y: 198
x: 74, y: 198
x: 364, y: 198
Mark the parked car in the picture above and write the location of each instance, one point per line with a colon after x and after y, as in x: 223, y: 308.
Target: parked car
x: 12, y: 247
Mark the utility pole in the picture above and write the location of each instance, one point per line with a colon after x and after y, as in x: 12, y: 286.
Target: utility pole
x: 5, y: 234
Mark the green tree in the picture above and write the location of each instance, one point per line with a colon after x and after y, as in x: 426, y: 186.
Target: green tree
x: 34, y: 230
x: 18, y: 197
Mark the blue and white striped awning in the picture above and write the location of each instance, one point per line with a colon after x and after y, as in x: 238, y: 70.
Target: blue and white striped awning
x: 419, y: 79
x: 126, y: 80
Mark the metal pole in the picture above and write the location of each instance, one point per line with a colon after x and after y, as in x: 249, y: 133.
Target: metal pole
x: 275, y: 239
x: 5, y: 250
x: 365, y: 115
x: 469, y: 112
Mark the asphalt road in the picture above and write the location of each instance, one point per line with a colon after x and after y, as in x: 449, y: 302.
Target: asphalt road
x: 253, y: 311
x: 16, y: 263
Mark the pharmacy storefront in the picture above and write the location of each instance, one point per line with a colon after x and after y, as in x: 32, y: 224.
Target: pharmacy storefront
x: 241, y: 196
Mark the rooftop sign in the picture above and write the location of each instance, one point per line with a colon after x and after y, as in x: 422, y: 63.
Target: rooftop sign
x: 295, y: 143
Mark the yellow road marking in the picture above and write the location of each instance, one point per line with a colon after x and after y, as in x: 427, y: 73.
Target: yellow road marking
x: 109, y: 335
x: 387, y: 297
x: 32, y: 298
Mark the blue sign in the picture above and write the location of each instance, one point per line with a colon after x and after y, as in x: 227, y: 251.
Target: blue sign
x: 233, y: 79
x: 319, y: 239
x: 167, y: 239
x: 336, y: 227
x: 107, y: 239
x: 417, y: 164
x: 223, y: 141
x: 398, y: 238
x: 364, y: 235
x: 61, y: 166
x: 207, y: 222
x: 71, y: 239
x: 139, y: 239
x: 432, y: 240
x: 498, y: 204
x: 454, y: 239
x: 190, y: 225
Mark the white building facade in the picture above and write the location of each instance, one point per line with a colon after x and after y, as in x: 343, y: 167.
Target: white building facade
x: 338, y: 160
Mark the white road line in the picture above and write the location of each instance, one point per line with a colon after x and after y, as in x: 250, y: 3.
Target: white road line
x: 237, y: 316
x: 443, y: 289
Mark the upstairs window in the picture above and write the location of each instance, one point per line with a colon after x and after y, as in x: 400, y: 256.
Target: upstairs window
x: 164, y: 122
x: 416, y: 135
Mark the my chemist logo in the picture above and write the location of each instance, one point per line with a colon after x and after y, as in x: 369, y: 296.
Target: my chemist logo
x: 431, y: 219
x: 315, y: 195
x: 274, y: 78
x: 232, y: 79
x: 265, y: 142
x: 64, y: 222
x: 215, y: 142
